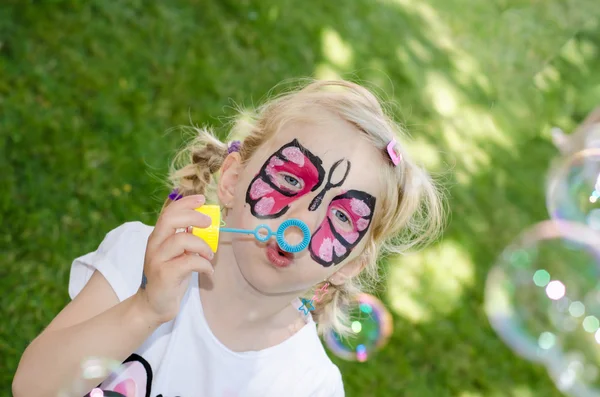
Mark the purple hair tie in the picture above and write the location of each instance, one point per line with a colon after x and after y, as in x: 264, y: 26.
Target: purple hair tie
x: 234, y: 146
x: 175, y: 195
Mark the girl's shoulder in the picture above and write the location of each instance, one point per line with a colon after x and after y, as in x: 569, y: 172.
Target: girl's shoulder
x: 119, y: 257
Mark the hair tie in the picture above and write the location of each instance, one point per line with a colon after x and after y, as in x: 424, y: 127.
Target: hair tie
x: 174, y: 195
x: 234, y: 146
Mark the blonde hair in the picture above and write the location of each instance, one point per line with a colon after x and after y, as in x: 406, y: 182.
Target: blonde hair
x: 411, y: 212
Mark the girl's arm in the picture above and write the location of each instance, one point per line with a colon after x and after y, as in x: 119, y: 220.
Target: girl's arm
x: 94, y: 324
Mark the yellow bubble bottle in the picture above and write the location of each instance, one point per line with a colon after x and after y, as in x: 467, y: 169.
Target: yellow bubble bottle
x: 210, y: 234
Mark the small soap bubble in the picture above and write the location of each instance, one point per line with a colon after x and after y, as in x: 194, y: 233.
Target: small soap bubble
x: 573, y: 189
x: 541, y: 297
x: 96, y: 393
x: 371, y: 325
x: 555, y: 290
x: 577, y: 309
x: 591, y: 324
x: 93, y: 369
x: 541, y: 278
x: 547, y: 340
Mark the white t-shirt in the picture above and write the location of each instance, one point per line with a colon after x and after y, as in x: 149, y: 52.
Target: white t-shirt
x: 182, y: 358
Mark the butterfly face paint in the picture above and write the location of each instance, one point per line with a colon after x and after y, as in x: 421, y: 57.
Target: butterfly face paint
x: 347, y: 221
x: 290, y: 173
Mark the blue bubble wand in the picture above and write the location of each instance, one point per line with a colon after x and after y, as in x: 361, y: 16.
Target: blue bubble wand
x: 263, y: 233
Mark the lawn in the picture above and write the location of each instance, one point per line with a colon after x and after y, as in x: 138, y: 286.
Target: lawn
x: 90, y: 89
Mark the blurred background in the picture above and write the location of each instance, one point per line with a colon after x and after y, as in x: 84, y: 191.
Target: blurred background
x: 90, y: 89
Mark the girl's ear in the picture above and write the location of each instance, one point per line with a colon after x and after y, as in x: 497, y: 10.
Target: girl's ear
x: 229, y: 177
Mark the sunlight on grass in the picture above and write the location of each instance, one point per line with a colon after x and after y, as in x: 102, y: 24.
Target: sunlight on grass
x: 423, y: 285
x: 522, y: 391
x: 588, y: 49
x: 402, y: 3
x: 335, y: 49
x: 442, y: 94
x: 419, y: 49
x: 573, y: 53
x: 273, y: 13
x: 425, y: 152
x: 469, y: 394
x: 377, y: 78
x: 325, y: 71
x: 465, y: 124
x: 437, y: 31
x: 547, y: 78
x: 468, y: 71
x: 463, y: 136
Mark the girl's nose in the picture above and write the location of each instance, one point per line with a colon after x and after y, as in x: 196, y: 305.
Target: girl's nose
x: 299, y: 210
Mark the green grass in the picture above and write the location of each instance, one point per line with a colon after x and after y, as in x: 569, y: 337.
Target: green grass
x: 88, y: 89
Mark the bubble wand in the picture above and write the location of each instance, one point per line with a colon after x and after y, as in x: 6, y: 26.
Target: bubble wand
x: 262, y: 232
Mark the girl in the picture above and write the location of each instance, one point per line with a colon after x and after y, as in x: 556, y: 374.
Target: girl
x: 231, y: 323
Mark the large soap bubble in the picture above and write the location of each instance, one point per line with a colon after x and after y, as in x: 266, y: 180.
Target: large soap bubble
x: 371, y: 325
x: 543, y: 298
x: 573, y: 189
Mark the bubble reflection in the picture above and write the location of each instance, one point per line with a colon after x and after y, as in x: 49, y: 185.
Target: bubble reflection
x: 543, y: 299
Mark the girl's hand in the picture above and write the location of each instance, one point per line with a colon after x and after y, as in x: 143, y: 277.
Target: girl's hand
x: 171, y: 257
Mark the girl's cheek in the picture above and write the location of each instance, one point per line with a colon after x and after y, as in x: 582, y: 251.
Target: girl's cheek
x: 350, y: 237
x: 362, y: 224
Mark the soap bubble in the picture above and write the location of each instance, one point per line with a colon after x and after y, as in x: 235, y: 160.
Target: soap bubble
x: 371, y: 325
x: 93, y: 369
x: 543, y: 299
x: 573, y: 190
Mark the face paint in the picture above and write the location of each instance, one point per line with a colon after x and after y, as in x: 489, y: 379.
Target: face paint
x: 329, y: 185
x: 348, y: 218
x: 290, y: 173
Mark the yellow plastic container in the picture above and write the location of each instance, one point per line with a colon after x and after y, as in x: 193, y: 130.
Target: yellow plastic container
x: 210, y: 234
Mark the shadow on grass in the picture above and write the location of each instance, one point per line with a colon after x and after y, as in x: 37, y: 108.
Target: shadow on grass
x: 86, y: 90
x: 492, y: 134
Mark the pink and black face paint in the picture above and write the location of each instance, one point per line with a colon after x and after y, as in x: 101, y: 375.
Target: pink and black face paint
x: 316, y: 202
x: 288, y: 174
x: 347, y: 221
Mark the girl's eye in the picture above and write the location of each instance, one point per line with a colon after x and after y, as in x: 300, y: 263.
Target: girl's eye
x: 291, y: 180
x: 341, y: 216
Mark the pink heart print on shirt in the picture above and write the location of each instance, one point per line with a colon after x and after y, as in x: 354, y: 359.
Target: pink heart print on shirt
x: 290, y: 173
x: 133, y: 379
x: 347, y: 221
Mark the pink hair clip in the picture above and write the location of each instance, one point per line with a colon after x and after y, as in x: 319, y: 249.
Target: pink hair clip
x: 322, y: 290
x: 394, y: 156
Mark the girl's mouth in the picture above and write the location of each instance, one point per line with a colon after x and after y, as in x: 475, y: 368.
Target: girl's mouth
x: 277, y: 256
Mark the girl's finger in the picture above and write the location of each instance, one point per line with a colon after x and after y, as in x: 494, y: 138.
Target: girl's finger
x: 187, y: 202
x: 188, y: 263
x: 180, y: 216
x: 182, y: 243
x: 182, y: 219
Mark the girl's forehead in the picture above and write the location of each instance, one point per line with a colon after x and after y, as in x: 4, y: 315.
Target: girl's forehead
x: 329, y: 139
x: 346, y: 147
